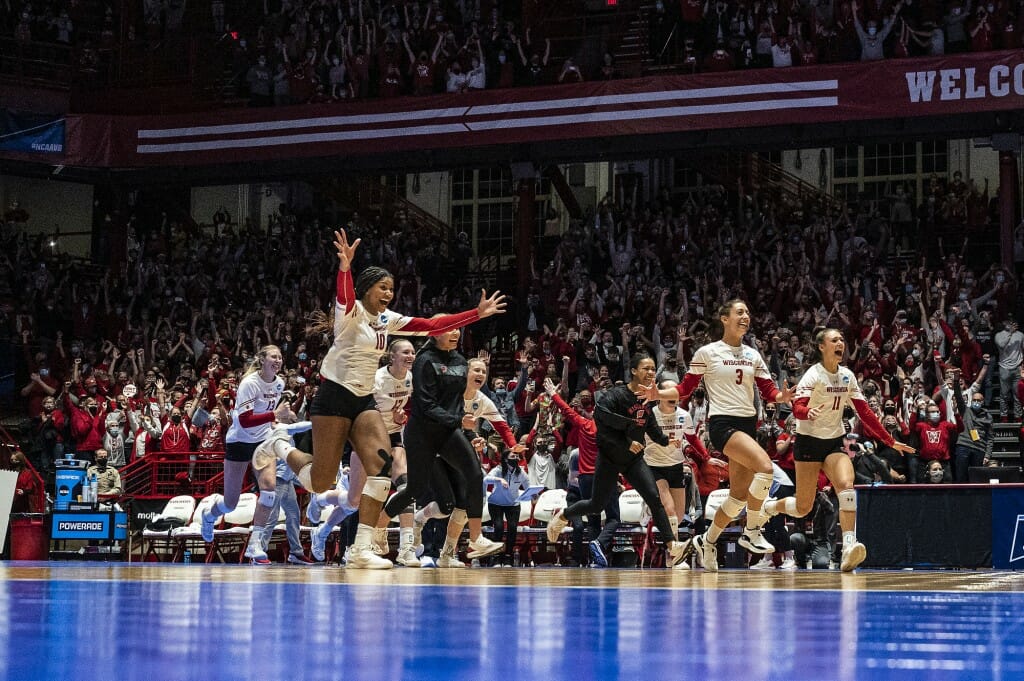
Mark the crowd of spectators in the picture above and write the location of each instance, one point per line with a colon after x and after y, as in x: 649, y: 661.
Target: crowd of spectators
x: 145, y: 355
x: 283, y: 52
x: 721, y: 35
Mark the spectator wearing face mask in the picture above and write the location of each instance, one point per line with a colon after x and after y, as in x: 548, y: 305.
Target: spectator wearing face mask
x: 509, y: 481
x: 872, y: 39
x: 956, y: 32
x: 88, y: 424
x: 1010, y: 342
x: 40, y: 386
x: 26, y: 489
x: 175, y: 435
x: 974, y: 445
x: 935, y: 473
x: 936, y: 436
x: 108, y: 480
x: 114, y: 440
x: 49, y: 434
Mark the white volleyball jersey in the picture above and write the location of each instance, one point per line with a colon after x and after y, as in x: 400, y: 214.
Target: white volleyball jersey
x: 731, y: 375
x: 676, y: 426
x: 832, y: 393
x: 360, y: 339
x: 259, y: 397
x: 482, y: 407
x: 391, y: 395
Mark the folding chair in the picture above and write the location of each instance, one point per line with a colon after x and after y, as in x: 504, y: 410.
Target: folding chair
x: 177, y: 508
x: 547, y: 503
x: 189, y: 537
x: 235, y: 538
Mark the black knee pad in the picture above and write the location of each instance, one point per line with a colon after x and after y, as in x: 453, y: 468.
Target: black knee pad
x: 385, y: 456
x: 446, y: 507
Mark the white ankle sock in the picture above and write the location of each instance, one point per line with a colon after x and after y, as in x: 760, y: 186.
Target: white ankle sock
x: 405, y: 536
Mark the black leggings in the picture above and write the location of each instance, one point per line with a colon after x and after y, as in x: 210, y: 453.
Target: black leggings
x: 441, y: 461
x: 603, y: 534
x: 505, y: 517
x: 639, y: 475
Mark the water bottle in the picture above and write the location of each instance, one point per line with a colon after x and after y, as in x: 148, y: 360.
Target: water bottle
x: 187, y: 558
x: 93, y: 489
x: 515, y: 557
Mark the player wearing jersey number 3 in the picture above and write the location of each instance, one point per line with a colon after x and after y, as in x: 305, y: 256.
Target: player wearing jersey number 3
x: 731, y: 371
x: 344, y: 408
x: 821, y: 396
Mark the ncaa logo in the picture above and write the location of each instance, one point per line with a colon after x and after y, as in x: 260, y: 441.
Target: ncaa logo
x: 476, y: 405
x: 1017, y: 548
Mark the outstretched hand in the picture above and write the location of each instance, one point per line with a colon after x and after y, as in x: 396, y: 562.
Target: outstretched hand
x: 490, y: 305
x: 346, y: 251
x: 902, y: 448
x: 787, y: 393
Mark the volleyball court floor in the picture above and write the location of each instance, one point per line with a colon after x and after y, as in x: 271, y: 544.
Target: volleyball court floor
x: 120, y: 622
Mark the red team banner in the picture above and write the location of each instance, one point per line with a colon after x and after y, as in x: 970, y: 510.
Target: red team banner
x: 936, y: 86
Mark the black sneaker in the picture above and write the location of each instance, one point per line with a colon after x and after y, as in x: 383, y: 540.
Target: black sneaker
x: 597, y: 554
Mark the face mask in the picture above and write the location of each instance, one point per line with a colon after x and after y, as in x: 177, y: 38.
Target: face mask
x: 872, y: 30
x: 921, y: 413
x: 933, y: 418
x: 176, y: 418
x: 963, y: 296
x: 1000, y: 278
x: 916, y: 353
x: 976, y: 406
x: 44, y: 372
x: 302, y: 356
x: 101, y: 463
x: 501, y: 392
x: 935, y: 476
x: 93, y: 409
x: 891, y: 411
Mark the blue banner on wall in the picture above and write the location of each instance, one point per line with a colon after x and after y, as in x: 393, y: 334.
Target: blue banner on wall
x: 1008, y: 528
x: 31, y: 133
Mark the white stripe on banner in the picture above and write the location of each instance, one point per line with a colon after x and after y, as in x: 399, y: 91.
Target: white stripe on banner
x: 309, y: 138
x: 667, y: 112
x: 425, y: 114
x: 641, y: 97
x: 539, y: 121
x: 327, y: 121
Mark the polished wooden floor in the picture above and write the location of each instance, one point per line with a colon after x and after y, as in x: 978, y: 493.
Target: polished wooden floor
x: 149, y: 622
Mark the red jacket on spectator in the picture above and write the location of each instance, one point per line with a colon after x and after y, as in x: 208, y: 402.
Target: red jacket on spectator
x: 583, y: 434
x: 175, y: 437
x: 87, y: 429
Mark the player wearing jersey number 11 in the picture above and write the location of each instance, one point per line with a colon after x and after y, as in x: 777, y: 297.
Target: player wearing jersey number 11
x: 821, y: 396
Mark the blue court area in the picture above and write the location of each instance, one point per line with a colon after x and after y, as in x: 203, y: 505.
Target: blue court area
x: 191, y: 622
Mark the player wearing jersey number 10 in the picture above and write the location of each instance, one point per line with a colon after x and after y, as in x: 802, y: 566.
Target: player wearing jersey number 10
x: 821, y: 396
x: 344, y: 409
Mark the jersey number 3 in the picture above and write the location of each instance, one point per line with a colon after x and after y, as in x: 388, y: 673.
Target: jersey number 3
x: 739, y: 377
